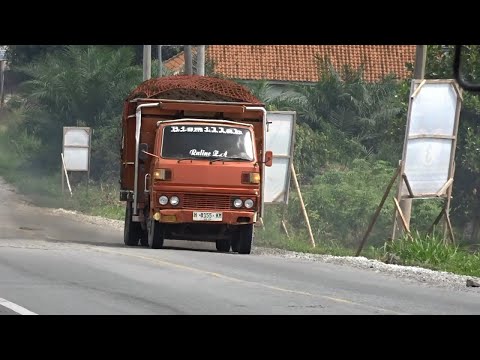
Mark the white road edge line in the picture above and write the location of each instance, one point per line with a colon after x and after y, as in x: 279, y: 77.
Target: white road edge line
x: 14, y: 307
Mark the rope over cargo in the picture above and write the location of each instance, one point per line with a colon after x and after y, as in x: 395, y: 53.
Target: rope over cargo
x: 193, y: 87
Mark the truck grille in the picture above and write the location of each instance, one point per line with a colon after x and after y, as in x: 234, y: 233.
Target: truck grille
x: 195, y: 201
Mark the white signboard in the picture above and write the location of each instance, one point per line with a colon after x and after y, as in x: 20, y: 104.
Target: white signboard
x: 429, y: 147
x: 280, y: 140
x: 76, y: 148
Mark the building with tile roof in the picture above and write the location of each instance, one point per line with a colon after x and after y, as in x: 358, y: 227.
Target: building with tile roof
x: 298, y: 63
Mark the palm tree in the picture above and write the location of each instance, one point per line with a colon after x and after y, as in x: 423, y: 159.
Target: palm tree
x: 82, y: 85
x: 344, y: 105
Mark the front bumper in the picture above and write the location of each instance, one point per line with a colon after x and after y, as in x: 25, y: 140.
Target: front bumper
x: 230, y: 217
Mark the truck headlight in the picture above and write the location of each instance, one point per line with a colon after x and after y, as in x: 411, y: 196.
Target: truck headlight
x: 250, y: 178
x: 237, y: 203
x: 174, y: 200
x: 162, y: 174
x: 249, y: 203
x: 163, y: 200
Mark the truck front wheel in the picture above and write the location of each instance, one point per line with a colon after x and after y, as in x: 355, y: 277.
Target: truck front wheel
x: 245, y: 239
x: 223, y: 245
x: 132, y: 231
x: 155, y: 234
x: 235, y: 241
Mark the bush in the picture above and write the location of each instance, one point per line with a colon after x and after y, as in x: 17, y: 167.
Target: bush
x: 342, y: 201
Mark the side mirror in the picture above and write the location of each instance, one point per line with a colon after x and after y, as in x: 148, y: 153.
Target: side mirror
x: 268, y: 158
x: 141, y: 155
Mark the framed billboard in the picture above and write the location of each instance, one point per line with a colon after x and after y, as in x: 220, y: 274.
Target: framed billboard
x: 430, y: 138
x: 280, y: 140
x: 76, y: 148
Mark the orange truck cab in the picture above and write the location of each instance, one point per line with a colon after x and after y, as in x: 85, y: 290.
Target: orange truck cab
x: 193, y: 170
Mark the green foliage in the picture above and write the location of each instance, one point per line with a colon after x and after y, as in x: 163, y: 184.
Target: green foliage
x: 77, y: 86
x: 466, y: 197
x: 18, y: 143
x: 342, y: 200
x: 471, y: 151
x: 357, y: 119
x: 99, y: 199
x: 105, y: 156
x: 424, y: 213
x: 24, y: 54
x: 82, y: 84
x: 311, y: 152
x: 431, y: 251
x: 297, y: 240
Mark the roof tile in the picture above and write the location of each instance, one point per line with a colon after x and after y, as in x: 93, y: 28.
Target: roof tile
x: 299, y: 62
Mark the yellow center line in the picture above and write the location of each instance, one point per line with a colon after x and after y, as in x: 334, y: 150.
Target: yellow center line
x: 229, y: 278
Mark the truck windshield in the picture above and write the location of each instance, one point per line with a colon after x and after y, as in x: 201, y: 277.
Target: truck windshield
x: 207, y: 142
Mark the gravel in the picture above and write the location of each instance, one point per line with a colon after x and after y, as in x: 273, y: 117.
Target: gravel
x: 88, y: 219
x: 409, y: 273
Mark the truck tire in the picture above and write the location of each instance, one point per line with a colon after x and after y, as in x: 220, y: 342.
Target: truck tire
x: 144, y: 239
x: 235, y: 241
x: 132, y: 231
x: 245, y: 239
x: 223, y: 245
x: 155, y: 234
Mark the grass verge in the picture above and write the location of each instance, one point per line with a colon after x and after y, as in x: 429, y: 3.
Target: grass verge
x: 99, y: 199
x: 430, y: 251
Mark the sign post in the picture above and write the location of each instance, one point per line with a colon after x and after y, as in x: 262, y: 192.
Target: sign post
x: 76, y: 151
x: 427, y: 166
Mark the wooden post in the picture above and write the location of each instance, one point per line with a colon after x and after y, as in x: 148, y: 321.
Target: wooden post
x: 63, y: 177
x: 447, y: 207
x: 282, y: 221
x: 409, y: 188
x: 430, y: 231
x: 379, y: 208
x: 66, y: 174
x: 450, y: 229
x: 404, y: 221
x: 312, y: 240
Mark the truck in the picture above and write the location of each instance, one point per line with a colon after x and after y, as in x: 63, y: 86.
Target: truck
x: 193, y: 157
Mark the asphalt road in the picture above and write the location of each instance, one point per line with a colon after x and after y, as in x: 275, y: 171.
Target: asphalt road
x: 55, y: 264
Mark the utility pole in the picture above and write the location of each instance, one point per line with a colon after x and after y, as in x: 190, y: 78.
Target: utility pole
x: 188, y: 59
x: 160, y: 61
x: 420, y: 60
x: 2, y: 81
x: 419, y: 73
x: 201, y: 60
x: 147, y: 62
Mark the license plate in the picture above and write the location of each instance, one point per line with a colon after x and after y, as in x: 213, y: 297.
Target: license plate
x: 207, y: 216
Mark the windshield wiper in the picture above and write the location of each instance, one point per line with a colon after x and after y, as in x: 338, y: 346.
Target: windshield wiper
x: 187, y: 158
x: 230, y: 158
